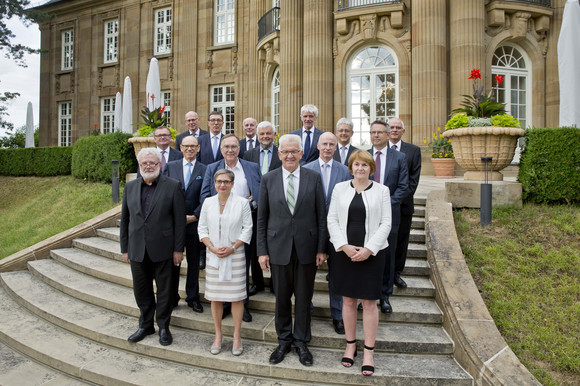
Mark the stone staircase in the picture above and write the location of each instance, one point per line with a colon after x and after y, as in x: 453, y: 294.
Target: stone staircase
x: 66, y: 320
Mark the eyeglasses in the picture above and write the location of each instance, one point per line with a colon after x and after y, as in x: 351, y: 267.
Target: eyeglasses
x: 191, y: 120
x: 216, y: 120
x: 396, y: 127
x: 344, y: 131
x: 223, y: 182
x: 234, y: 147
x: 378, y: 132
x: 288, y: 152
x: 162, y: 135
x: 189, y: 146
x: 149, y: 164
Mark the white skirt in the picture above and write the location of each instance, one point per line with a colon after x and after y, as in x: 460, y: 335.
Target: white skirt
x: 226, y: 290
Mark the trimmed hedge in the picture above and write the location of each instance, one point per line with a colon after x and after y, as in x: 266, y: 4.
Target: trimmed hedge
x: 550, y: 165
x: 36, y: 161
x: 92, y: 156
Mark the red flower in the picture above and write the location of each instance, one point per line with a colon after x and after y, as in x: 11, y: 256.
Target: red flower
x: 499, y: 79
x: 152, y: 96
x: 161, y: 110
x: 95, y: 125
x: 475, y: 74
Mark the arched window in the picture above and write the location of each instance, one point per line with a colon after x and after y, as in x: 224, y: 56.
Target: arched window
x: 515, y: 91
x: 275, y: 98
x: 372, y: 90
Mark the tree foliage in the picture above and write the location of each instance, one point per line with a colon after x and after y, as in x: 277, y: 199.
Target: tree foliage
x: 17, y: 139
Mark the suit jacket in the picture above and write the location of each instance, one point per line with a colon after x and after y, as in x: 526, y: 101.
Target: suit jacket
x: 338, y: 173
x: 192, y: 191
x: 243, y: 145
x: 254, y: 156
x: 251, y: 170
x: 396, y: 177
x: 180, y: 137
x: 413, y: 155
x: 278, y: 229
x: 336, y: 156
x: 162, y: 230
x: 205, y: 155
x: 313, y: 154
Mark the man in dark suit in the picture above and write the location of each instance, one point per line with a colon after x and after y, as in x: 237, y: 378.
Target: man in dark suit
x: 209, y: 146
x: 250, y: 141
x: 193, y: 129
x: 308, y: 133
x: 413, y: 155
x: 292, y: 241
x: 190, y: 173
x: 152, y: 238
x: 246, y: 184
x: 162, y: 138
x: 344, y: 132
x: 391, y: 170
x: 332, y: 172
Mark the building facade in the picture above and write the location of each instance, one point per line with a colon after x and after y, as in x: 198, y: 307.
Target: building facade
x: 364, y: 59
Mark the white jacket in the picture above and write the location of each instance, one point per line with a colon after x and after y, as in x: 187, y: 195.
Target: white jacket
x: 236, y: 220
x: 377, y: 201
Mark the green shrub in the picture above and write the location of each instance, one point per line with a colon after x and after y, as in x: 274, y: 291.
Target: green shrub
x: 479, y: 122
x: 550, y: 165
x: 35, y: 161
x: 92, y: 156
x: 458, y: 120
x: 505, y: 120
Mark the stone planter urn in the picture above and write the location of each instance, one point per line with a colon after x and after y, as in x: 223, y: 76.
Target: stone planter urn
x: 472, y: 143
x: 142, y: 142
x: 444, y: 167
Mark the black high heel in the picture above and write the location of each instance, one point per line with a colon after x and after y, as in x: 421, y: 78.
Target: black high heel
x: 348, y: 362
x: 369, y: 369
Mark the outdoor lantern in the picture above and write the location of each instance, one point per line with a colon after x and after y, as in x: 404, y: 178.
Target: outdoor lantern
x: 115, y: 180
x: 485, y: 204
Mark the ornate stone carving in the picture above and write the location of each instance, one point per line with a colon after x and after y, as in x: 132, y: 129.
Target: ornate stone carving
x: 209, y: 56
x: 235, y: 60
x: 57, y: 83
x: 519, y: 26
x: 117, y: 76
x: 170, y: 68
x: 100, y: 78
x: 369, y: 26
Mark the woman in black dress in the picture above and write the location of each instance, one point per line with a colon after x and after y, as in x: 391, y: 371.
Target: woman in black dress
x: 359, y: 222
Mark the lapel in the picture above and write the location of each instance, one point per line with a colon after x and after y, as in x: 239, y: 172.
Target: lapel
x: 194, y: 173
x: 389, y: 164
x: 333, y: 177
x: 155, y: 195
x: 301, y: 188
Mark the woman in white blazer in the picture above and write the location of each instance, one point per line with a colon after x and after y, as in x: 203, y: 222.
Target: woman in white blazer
x: 359, y: 222
x: 225, y: 224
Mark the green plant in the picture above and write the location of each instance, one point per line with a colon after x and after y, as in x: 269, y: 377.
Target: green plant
x: 479, y: 122
x: 505, y: 120
x: 439, y: 146
x: 480, y: 105
x: 36, y: 161
x: 458, y: 120
x: 152, y: 119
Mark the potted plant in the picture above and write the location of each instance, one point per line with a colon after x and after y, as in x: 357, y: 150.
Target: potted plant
x: 481, y: 128
x: 442, y: 155
x: 152, y: 119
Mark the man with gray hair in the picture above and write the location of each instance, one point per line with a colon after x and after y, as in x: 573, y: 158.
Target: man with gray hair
x: 344, y: 132
x: 308, y: 133
x: 266, y: 151
x: 152, y: 240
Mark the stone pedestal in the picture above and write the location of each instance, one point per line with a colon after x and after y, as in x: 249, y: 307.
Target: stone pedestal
x: 467, y: 194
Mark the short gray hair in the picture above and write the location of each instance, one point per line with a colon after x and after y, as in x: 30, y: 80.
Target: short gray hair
x: 265, y: 124
x: 397, y: 118
x: 288, y: 139
x: 227, y: 172
x: 149, y: 151
x: 344, y: 121
x: 309, y: 109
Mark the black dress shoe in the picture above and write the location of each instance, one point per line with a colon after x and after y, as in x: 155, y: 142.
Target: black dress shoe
x: 254, y: 290
x: 386, y: 306
x: 165, y: 338
x: 140, y: 334
x: 226, y: 312
x: 338, y: 326
x: 360, y: 308
x: 304, y: 355
x: 247, y: 317
x: 278, y: 355
x: 400, y: 282
x: 202, y: 262
x: 197, y: 307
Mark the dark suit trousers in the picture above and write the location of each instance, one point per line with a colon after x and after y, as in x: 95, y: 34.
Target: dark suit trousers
x: 298, y: 280
x: 192, y: 280
x: 143, y: 275
x: 251, y: 252
x: 403, y: 242
x: 389, y: 273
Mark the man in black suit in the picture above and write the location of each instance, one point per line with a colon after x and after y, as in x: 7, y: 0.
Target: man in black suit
x: 413, y: 155
x: 308, y: 133
x: 190, y: 173
x: 162, y: 138
x: 266, y: 150
x: 391, y: 170
x: 250, y: 141
x: 152, y: 238
x: 344, y: 132
x: 209, y: 146
x: 193, y: 129
x: 292, y: 241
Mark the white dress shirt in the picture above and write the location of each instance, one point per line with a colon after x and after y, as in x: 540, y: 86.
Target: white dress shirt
x: 240, y: 183
x: 383, y: 158
x: 185, y: 162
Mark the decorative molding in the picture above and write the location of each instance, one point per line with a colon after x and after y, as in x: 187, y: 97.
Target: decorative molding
x: 519, y: 26
x: 170, y: 68
x: 209, y: 56
x: 100, y: 78
x: 369, y: 26
x: 235, y: 60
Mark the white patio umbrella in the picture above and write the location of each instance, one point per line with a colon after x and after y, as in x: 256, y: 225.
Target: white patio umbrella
x: 118, y: 112
x: 153, y: 87
x: 29, y: 142
x: 127, y: 121
x: 568, y: 64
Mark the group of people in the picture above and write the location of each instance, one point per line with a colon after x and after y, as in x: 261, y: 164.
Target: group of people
x: 248, y: 205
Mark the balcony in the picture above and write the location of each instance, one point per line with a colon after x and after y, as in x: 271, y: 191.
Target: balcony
x: 269, y: 23
x: 347, y: 4
x: 545, y: 3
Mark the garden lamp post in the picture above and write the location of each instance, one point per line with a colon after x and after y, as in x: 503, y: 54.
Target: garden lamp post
x: 485, y: 199
x: 115, y: 180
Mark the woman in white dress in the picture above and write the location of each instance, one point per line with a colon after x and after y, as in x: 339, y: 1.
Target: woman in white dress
x: 225, y: 224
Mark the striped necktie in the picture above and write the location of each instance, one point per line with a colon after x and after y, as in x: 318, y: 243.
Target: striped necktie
x: 290, y: 193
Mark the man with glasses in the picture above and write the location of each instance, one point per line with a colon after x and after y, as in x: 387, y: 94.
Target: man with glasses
x: 209, y: 145
x: 162, y: 138
x: 152, y: 236
x: 344, y: 132
x: 250, y: 141
x: 193, y: 129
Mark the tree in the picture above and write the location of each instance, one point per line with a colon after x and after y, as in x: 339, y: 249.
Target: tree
x: 17, y: 139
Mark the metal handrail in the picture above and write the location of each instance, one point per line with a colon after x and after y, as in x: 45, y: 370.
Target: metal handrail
x: 347, y: 4
x: 269, y: 23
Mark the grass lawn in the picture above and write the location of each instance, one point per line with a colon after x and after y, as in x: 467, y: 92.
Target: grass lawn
x: 527, y: 268
x: 35, y: 208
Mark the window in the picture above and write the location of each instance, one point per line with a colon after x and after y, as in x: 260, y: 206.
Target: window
x: 111, y: 41
x: 509, y: 62
x: 276, y: 99
x: 223, y: 100
x: 67, y: 53
x: 166, y: 101
x: 108, y: 115
x: 224, y: 21
x: 64, y: 123
x: 162, y: 36
x: 372, y: 91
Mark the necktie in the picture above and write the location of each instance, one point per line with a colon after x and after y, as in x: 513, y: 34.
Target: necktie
x: 265, y: 162
x: 163, y: 159
x: 377, y: 176
x: 307, y: 144
x: 214, y: 146
x: 290, y: 193
x: 188, y: 176
x: 250, y: 144
x: 394, y: 147
x: 343, y: 155
x: 325, y: 177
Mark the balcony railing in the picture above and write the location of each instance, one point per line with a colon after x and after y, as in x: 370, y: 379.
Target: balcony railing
x: 545, y: 3
x: 269, y: 23
x: 346, y: 4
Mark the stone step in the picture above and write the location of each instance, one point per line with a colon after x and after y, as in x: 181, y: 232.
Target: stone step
x: 418, y: 222
x: 419, y: 211
x: 407, y: 309
x: 419, y: 200
x: 417, y: 236
x: 190, y: 347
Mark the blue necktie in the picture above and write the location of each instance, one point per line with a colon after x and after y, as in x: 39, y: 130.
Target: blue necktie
x: 188, y: 176
x: 307, y: 144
